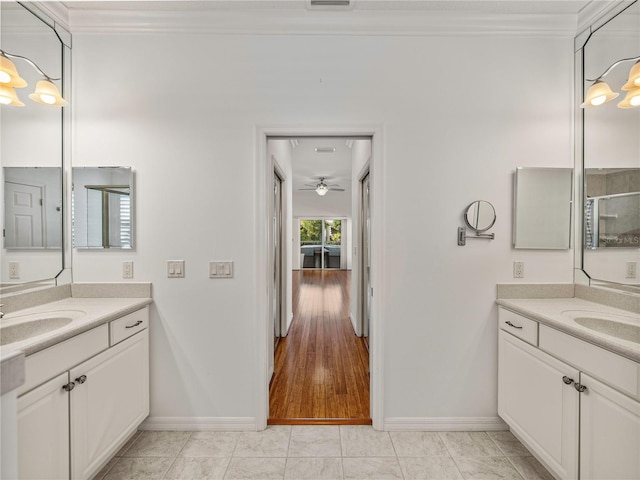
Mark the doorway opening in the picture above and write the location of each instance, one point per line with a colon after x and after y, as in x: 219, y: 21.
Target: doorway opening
x: 320, y: 363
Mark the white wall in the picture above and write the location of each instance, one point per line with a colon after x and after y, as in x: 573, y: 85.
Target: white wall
x: 458, y: 115
x: 281, y: 152
x: 360, y: 158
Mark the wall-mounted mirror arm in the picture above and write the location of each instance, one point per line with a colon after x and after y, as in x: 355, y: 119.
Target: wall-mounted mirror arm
x: 462, y: 236
x: 614, y: 65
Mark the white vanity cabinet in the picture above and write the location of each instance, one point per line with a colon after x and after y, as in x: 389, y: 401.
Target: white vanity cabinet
x: 71, y: 425
x: 538, y: 405
x: 578, y: 426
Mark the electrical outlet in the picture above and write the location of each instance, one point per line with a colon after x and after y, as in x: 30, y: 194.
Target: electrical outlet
x: 14, y: 270
x: 631, y: 270
x: 518, y: 269
x: 127, y: 269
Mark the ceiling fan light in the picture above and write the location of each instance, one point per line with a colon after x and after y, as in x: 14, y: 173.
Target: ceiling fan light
x: 9, y: 75
x: 634, y: 78
x: 47, y: 93
x: 9, y: 97
x: 631, y: 100
x: 599, y: 93
x: 322, y: 189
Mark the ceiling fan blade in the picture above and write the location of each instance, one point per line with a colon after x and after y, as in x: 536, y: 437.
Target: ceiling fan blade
x: 309, y: 189
x: 337, y: 189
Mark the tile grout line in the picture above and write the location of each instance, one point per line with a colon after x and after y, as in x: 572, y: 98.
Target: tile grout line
x: 453, y: 459
x: 175, y: 459
x: 506, y: 456
x: 393, y: 445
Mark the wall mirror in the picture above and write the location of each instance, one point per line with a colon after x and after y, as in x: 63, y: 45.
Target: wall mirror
x: 480, y: 216
x: 102, y: 207
x: 31, y: 148
x: 542, y: 208
x: 611, y: 157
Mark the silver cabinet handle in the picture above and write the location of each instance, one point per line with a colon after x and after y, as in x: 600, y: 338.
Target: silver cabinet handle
x: 512, y: 325
x: 567, y: 380
x: 69, y: 386
x: 81, y: 379
x: 134, y: 325
x: 579, y: 387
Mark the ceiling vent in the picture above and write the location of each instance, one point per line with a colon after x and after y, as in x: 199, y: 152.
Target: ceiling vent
x: 330, y: 4
x: 325, y: 149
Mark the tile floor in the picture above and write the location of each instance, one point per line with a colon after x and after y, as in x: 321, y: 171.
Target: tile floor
x: 323, y: 452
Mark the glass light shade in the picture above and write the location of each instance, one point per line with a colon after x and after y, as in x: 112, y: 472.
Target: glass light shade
x: 322, y: 190
x: 631, y: 100
x: 8, y: 97
x: 634, y: 77
x: 599, y: 93
x: 48, y: 94
x: 9, y: 75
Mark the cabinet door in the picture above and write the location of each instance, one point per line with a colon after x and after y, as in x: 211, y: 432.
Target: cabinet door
x: 609, y: 433
x: 110, y: 400
x: 537, y: 404
x: 43, y: 431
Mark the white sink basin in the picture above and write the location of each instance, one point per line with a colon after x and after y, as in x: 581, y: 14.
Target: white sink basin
x: 625, y: 327
x: 22, y: 327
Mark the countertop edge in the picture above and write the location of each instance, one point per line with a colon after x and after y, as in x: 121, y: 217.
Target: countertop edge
x: 595, y: 339
x: 113, y: 314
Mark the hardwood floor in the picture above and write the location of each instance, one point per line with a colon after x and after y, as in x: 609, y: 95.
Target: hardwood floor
x: 321, y: 371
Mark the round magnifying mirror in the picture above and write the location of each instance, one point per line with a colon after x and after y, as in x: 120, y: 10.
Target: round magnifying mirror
x: 480, y: 216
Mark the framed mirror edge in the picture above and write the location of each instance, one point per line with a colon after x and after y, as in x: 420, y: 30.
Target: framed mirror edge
x: 65, y: 275
x: 581, y: 276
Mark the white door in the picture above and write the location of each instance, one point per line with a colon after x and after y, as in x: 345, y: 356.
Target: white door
x: 609, y: 433
x: 109, y: 401
x: 538, y: 405
x: 278, y: 255
x: 43, y: 431
x: 365, y: 258
x: 24, y: 218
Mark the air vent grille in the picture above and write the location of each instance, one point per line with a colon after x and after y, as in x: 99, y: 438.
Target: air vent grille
x: 330, y: 3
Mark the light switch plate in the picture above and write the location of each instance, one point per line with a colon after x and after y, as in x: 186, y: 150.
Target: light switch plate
x: 221, y: 269
x: 175, y: 268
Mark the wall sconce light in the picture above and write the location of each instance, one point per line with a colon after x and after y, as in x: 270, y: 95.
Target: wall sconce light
x: 45, y: 92
x: 600, y: 92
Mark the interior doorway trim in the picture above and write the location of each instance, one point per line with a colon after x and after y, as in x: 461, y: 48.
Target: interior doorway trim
x: 262, y: 335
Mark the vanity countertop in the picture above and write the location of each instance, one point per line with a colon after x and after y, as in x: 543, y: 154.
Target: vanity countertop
x: 558, y: 313
x: 87, y: 313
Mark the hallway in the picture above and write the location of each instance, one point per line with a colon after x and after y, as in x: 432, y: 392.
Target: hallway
x: 321, y: 370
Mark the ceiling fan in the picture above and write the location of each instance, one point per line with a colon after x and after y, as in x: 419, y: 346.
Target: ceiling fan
x: 322, y: 188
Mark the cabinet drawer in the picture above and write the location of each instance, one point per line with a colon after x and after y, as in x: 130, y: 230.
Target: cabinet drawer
x: 48, y: 363
x: 129, y: 325
x: 517, y: 325
x: 614, y: 370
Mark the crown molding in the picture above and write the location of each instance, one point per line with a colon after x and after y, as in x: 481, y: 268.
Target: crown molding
x: 293, y: 22
x: 58, y: 11
x: 597, y: 12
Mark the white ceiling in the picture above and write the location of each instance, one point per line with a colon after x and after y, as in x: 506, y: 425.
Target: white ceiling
x: 309, y: 165
x: 480, y: 6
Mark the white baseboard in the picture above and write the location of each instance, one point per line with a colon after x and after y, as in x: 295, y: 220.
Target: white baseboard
x: 194, y: 424
x: 444, y: 424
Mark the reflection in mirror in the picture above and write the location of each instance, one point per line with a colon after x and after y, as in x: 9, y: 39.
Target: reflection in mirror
x: 542, y: 208
x: 611, y: 157
x: 480, y: 216
x: 611, y: 208
x: 102, y: 207
x: 32, y: 207
x: 31, y: 135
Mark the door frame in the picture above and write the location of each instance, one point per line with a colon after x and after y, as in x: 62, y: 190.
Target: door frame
x: 263, y: 336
